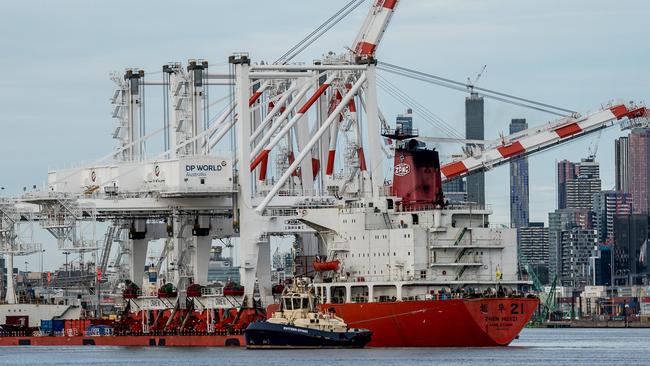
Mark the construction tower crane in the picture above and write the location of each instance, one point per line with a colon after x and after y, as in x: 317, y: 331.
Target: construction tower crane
x: 471, y: 84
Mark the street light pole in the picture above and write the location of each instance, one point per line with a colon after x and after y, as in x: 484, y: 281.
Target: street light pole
x: 42, y: 283
x: 67, y: 275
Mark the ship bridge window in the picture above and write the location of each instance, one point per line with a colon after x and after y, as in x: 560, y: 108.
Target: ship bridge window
x: 300, y: 304
x: 416, y: 219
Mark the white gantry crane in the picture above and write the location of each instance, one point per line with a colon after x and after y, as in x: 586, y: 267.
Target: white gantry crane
x: 16, y: 238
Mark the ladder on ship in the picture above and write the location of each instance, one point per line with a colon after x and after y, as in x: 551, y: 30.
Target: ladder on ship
x: 389, y: 224
x: 461, y: 253
x: 461, y: 235
x: 108, y: 244
x: 462, y: 269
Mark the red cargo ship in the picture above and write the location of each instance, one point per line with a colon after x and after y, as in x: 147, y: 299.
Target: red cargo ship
x: 417, y: 270
x: 485, y: 322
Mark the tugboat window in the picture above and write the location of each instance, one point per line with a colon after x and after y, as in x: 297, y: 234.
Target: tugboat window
x: 296, y: 304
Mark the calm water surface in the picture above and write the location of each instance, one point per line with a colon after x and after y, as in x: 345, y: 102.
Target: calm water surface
x: 534, y: 347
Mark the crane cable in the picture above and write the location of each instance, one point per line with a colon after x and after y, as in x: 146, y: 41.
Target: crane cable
x: 319, y: 31
x: 492, y: 94
x: 408, y: 103
x: 434, y: 120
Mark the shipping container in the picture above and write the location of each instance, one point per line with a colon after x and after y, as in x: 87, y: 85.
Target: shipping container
x: 46, y: 326
x: 58, y: 325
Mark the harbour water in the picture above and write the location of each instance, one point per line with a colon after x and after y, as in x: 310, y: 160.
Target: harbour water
x: 534, y: 347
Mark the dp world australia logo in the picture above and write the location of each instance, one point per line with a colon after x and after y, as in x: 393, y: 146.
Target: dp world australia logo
x: 156, y: 171
x: 402, y: 169
x: 93, y: 176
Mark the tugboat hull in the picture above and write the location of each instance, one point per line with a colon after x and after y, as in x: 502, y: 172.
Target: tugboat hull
x: 264, y: 335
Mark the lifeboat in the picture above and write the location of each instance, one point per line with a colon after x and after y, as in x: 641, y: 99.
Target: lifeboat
x: 233, y: 289
x: 131, y: 291
x: 321, y: 266
x: 194, y: 290
x: 167, y: 290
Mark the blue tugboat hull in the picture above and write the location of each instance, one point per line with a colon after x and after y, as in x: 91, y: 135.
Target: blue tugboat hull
x: 264, y: 335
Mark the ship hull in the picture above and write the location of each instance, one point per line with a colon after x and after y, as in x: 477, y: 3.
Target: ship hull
x: 127, y: 341
x: 264, y: 335
x: 483, y: 322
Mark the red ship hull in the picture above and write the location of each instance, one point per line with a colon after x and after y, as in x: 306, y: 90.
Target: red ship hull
x: 484, y: 322
x: 128, y: 341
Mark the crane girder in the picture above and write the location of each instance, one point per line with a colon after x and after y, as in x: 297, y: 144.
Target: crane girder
x: 544, y: 137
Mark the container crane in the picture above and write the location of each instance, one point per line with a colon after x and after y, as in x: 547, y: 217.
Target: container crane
x: 376, y: 23
x: 543, y: 137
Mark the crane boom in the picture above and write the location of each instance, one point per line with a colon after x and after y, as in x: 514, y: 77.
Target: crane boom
x: 540, y: 138
x: 373, y: 28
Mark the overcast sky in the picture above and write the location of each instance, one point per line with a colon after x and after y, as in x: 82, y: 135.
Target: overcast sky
x: 56, y: 58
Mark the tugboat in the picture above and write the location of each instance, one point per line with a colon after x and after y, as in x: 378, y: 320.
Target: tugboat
x: 298, y: 324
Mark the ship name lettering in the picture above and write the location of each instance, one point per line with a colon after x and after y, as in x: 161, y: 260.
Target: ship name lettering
x: 295, y: 329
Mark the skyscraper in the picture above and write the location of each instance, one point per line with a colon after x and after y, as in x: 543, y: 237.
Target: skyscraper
x: 577, y: 183
x: 639, y: 171
x: 533, y: 248
x: 606, y: 205
x: 621, y: 162
x: 566, y: 171
x: 601, y: 266
x: 519, y: 209
x: 631, y: 250
x: 455, y: 190
x: 404, y: 122
x: 475, y: 130
x: 562, y: 221
x: 576, y: 250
